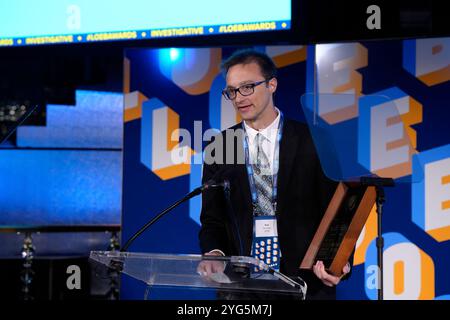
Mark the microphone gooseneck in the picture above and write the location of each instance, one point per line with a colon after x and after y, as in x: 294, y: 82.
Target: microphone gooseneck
x: 208, y: 185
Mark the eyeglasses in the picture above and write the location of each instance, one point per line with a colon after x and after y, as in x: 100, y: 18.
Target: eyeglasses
x: 244, y: 90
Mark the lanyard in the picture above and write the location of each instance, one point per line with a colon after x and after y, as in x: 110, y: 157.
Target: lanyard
x: 248, y: 165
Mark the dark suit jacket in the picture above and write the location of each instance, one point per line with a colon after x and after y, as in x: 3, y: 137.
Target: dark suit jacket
x: 303, y: 195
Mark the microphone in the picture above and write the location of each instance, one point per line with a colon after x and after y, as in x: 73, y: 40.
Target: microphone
x: 213, y: 184
x: 206, y: 186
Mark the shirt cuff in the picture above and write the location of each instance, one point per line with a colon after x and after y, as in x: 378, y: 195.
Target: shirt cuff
x: 217, y: 250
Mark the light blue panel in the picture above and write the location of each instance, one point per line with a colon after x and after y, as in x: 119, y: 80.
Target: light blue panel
x: 146, y: 130
x: 365, y: 106
x: 418, y: 187
x: 195, y: 181
x: 409, y: 56
x: 60, y: 187
x: 418, y: 194
x: 96, y: 121
x: 366, y: 103
x: 25, y: 18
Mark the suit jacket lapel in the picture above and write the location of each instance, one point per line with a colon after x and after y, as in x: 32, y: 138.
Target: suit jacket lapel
x: 288, y: 150
x: 243, y: 176
x: 245, y: 216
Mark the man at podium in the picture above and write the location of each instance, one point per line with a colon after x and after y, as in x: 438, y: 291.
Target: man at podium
x: 277, y: 189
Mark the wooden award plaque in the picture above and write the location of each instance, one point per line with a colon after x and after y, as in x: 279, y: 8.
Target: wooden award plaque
x: 341, y: 225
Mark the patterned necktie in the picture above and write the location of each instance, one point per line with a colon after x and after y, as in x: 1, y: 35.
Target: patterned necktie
x: 263, y: 181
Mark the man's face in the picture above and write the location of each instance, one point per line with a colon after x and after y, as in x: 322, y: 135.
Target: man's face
x: 254, y: 106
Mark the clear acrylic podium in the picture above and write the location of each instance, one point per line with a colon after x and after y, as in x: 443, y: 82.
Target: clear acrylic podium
x: 182, y: 271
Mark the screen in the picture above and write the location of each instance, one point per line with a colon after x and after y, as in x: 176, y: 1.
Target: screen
x: 67, y: 171
x: 28, y: 22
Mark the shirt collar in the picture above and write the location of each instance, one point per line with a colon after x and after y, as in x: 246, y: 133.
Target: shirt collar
x: 270, y: 132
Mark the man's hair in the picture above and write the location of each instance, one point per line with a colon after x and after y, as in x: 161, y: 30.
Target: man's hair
x: 246, y: 56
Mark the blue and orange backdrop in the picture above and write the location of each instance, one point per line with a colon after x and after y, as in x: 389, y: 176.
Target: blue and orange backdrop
x: 398, y: 90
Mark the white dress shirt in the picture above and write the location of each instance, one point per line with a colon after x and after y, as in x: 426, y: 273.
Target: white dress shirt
x: 268, y: 143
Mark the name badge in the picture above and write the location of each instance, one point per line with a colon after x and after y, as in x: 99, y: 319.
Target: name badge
x: 265, y: 242
x: 266, y: 226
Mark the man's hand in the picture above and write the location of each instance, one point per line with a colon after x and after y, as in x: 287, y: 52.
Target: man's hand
x: 328, y: 279
x: 207, y: 267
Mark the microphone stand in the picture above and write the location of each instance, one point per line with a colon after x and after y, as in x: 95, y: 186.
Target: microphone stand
x: 232, y: 215
x: 190, y: 195
x: 379, y: 183
x: 117, y: 264
x: 239, y: 268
